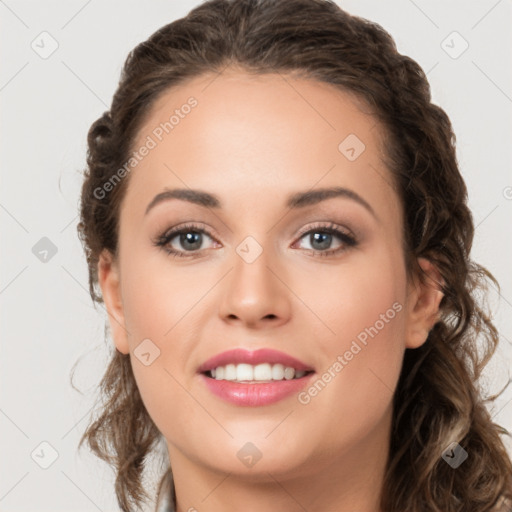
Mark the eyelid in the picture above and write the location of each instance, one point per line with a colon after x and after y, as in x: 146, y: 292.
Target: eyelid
x: 323, y: 225
x: 346, y: 236
x: 191, y: 226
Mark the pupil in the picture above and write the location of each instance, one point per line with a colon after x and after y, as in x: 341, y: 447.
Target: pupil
x: 324, y: 240
x: 189, y: 238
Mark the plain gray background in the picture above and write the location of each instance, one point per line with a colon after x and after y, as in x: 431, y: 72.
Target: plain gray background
x: 47, y: 105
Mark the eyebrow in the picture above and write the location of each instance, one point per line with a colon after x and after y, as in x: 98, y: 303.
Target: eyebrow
x: 295, y: 201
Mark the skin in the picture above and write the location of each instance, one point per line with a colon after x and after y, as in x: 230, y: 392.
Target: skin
x: 253, y: 140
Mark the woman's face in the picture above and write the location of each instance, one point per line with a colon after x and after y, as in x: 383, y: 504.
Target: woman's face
x: 268, y: 272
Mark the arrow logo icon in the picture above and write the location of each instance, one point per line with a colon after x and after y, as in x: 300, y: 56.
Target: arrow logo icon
x: 351, y: 147
x: 249, y: 249
x: 249, y: 454
x: 146, y: 352
x: 44, y: 250
x: 44, y: 455
x: 454, y: 455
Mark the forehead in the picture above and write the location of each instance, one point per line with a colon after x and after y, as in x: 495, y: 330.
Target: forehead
x: 239, y: 134
x: 257, y: 102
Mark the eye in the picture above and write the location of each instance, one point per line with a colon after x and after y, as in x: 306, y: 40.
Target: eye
x: 320, y: 238
x: 190, y: 237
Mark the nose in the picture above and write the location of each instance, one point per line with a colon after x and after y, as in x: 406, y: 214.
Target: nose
x: 255, y: 294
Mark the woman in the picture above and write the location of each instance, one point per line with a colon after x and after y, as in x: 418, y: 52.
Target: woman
x: 274, y: 217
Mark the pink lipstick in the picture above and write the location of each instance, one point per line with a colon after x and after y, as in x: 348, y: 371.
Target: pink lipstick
x: 254, y: 378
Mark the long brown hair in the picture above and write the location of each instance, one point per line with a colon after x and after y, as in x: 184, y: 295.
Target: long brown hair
x: 438, y: 399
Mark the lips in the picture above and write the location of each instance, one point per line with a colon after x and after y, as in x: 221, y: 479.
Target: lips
x: 254, y: 357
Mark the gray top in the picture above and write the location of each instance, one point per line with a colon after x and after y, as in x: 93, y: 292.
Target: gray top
x: 165, y: 500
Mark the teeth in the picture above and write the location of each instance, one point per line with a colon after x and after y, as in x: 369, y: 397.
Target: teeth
x: 277, y: 372
x: 244, y: 372
x: 261, y: 372
x: 289, y: 373
x: 230, y: 372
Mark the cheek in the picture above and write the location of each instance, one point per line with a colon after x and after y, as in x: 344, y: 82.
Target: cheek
x: 158, y: 309
x: 360, y: 299
x: 157, y: 297
x: 365, y: 354
x: 159, y: 353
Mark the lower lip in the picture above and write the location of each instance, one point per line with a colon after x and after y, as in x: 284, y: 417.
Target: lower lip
x: 255, y: 395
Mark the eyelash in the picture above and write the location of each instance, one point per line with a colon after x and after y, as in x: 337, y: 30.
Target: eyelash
x: 163, y: 240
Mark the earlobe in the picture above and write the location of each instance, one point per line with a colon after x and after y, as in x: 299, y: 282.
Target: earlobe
x: 109, y: 281
x: 424, y: 299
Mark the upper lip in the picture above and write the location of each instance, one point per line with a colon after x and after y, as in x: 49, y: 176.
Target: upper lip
x: 253, y: 357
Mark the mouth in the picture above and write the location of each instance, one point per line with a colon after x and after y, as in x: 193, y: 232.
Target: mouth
x: 257, y: 366
x: 254, y: 378
x: 254, y: 374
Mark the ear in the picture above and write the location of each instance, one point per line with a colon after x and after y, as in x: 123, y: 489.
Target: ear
x: 423, y: 300
x: 109, y: 281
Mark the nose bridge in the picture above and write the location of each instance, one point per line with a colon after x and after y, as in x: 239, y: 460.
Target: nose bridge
x: 254, y: 292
